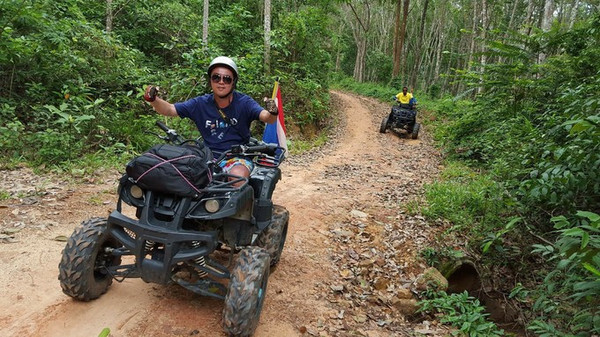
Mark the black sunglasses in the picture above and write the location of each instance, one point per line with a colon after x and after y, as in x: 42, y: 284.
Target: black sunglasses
x: 216, y: 78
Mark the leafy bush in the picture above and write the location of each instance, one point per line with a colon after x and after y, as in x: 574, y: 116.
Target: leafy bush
x: 462, y: 312
x: 533, y: 132
x: 567, y: 303
x: 469, y: 200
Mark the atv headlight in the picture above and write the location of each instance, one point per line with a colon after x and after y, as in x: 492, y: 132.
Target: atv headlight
x: 212, y: 205
x: 136, y: 192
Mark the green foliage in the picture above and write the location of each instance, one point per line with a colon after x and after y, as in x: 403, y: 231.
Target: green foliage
x: 308, y: 103
x: 533, y: 131
x: 469, y: 200
x: 4, y: 195
x: 383, y: 93
x: 462, y: 312
x: 104, y: 333
x: 437, y: 256
x: 69, y: 89
x: 430, y: 255
x: 535, y: 125
x: 231, y: 27
x: 299, y: 146
x: 295, y: 47
x: 567, y: 303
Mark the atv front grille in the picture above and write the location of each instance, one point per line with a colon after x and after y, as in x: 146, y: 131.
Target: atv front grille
x: 130, y: 233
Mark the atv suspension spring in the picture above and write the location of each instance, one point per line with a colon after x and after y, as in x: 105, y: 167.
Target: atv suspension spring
x: 148, y: 245
x: 199, y: 260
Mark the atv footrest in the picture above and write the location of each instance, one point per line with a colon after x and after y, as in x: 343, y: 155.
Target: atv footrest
x: 203, y: 287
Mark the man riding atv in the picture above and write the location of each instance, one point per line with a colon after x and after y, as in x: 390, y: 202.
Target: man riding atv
x: 223, y: 117
x: 403, y: 116
x: 406, y: 99
x: 203, y: 220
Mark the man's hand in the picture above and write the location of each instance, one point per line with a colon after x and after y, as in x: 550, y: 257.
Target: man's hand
x: 271, y: 106
x: 151, y: 93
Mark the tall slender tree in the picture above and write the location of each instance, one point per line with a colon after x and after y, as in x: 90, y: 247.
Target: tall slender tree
x: 546, y: 23
x: 573, y: 15
x: 396, y: 52
x: 205, y: 23
x: 109, y: 16
x: 399, y: 34
x: 419, y: 44
x: 267, y: 53
x: 361, y: 11
x: 484, y: 28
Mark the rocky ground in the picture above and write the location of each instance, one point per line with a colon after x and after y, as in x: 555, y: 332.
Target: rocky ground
x: 349, y: 268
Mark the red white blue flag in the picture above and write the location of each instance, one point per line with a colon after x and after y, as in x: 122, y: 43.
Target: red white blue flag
x: 275, y: 133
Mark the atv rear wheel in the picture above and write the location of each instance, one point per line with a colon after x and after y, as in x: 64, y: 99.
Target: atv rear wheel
x: 384, y: 124
x: 83, y: 272
x: 415, y: 131
x: 273, y: 237
x: 246, y: 293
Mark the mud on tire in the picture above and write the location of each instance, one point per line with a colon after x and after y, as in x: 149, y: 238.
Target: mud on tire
x: 82, y: 269
x: 415, y: 131
x: 383, y: 125
x: 273, y: 237
x: 246, y: 293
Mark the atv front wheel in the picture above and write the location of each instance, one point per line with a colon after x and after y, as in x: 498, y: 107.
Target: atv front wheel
x: 246, y: 293
x: 83, y: 272
x: 273, y: 237
x: 384, y: 125
x: 415, y: 131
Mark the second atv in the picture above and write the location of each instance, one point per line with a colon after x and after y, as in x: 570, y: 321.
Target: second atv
x: 402, y: 118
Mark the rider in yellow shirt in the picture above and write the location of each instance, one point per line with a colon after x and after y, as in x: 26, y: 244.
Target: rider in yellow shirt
x: 404, y: 97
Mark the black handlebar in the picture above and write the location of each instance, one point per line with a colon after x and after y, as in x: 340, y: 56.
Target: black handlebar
x: 268, y: 149
x: 162, y: 126
x: 243, y: 150
x: 172, y: 135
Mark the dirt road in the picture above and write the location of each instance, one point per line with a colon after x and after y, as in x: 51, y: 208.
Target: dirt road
x: 351, y: 249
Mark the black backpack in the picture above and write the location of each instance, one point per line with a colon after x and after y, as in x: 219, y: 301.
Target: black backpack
x: 181, y: 170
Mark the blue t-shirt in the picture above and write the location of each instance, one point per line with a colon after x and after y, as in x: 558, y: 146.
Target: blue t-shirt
x: 219, y: 135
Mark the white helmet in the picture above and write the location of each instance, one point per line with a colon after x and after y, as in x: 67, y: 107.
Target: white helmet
x: 226, y: 62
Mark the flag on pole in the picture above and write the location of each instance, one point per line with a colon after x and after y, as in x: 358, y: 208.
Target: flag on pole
x: 275, y: 133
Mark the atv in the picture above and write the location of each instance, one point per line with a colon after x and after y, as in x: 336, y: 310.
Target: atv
x: 219, y: 241
x: 402, y: 117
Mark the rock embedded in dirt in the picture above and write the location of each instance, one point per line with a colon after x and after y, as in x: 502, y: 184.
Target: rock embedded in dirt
x: 431, y: 278
x: 406, y: 307
x: 359, y: 214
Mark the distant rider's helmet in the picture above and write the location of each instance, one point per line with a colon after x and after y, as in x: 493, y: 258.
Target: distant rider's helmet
x: 224, y: 61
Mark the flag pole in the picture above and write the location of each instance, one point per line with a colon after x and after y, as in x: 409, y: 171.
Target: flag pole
x: 275, y: 86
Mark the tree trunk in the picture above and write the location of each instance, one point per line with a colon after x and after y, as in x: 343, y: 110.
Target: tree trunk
x: 360, y: 28
x: 268, y: 37
x: 546, y: 24
x: 417, y: 65
x: 109, y: 16
x: 396, y: 67
x: 402, y: 37
x: 573, y: 15
x: 528, y: 22
x: 440, y: 46
x: 547, y: 18
x: 484, y: 24
x: 359, y: 66
x: 469, y: 65
x: 512, y: 17
x: 205, y: 24
x: 438, y: 56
